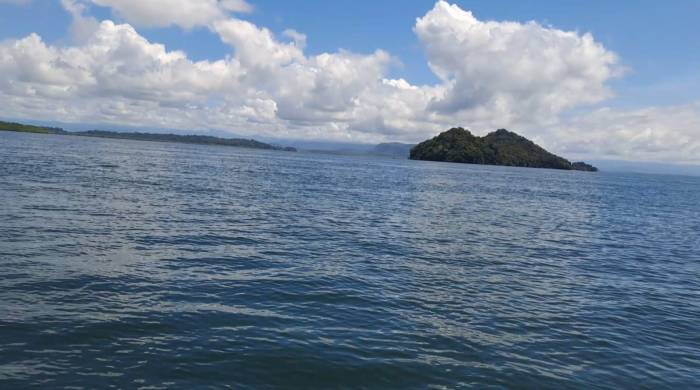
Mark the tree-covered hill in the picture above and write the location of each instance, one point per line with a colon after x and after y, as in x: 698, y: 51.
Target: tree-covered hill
x: 501, y: 147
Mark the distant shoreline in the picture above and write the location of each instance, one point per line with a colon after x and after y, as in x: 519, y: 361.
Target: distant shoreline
x: 138, y: 136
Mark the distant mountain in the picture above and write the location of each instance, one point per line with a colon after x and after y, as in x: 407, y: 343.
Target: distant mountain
x: 393, y: 149
x: 187, y: 139
x: 501, y: 147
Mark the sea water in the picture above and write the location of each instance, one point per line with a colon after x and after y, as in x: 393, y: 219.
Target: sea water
x: 158, y: 265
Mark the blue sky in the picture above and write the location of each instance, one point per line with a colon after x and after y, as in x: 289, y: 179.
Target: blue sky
x: 655, y: 74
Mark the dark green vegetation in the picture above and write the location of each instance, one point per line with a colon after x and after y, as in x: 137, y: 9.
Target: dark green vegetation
x: 187, y: 139
x: 501, y: 147
x: 11, y: 126
x: 582, y: 166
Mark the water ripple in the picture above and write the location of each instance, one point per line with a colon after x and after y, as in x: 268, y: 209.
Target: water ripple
x: 136, y: 264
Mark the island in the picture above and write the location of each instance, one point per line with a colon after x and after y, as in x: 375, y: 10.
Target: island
x: 18, y: 127
x: 502, y: 147
x: 187, y: 139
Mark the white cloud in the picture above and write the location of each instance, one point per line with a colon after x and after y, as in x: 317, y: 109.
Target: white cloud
x: 298, y: 38
x: 116, y: 63
x: 256, y: 47
x: 668, y: 134
x: 183, y: 13
x: 493, y: 74
x: 518, y: 72
x: 117, y: 76
x: 236, y: 6
x: 82, y: 27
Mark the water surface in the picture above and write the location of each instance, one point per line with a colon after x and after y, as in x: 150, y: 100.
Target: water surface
x: 139, y: 264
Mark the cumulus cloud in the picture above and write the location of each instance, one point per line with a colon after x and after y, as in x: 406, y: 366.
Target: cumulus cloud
x: 82, y: 27
x: 116, y: 61
x: 518, y: 71
x: 183, y: 13
x: 117, y: 76
x: 523, y: 76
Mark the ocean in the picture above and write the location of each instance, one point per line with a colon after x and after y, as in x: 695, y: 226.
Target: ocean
x: 133, y: 264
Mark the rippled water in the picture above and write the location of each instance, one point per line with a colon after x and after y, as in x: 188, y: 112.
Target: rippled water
x: 163, y: 265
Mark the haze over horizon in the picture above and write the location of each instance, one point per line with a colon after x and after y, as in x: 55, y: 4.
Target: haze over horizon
x: 587, y: 80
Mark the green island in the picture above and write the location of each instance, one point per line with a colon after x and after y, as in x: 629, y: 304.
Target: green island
x: 502, y: 147
x: 187, y: 139
x: 18, y: 127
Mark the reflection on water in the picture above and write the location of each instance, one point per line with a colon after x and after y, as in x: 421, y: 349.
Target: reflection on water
x: 166, y: 265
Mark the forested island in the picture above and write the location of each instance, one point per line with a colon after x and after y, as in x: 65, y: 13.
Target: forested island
x: 18, y: 127
x: 502, y: 147
x: 187, y: 139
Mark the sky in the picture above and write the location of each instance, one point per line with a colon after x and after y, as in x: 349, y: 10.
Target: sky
x: 585, y: 79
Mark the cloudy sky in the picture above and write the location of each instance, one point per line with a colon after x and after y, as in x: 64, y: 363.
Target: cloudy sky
x: 583, y: 78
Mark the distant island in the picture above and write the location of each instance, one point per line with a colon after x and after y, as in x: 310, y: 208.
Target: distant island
x: 186, y: 139
x: 18, y: 127
x: 502, y: 147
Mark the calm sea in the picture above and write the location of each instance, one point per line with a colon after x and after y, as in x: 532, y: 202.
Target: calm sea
x: 155, y: 265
